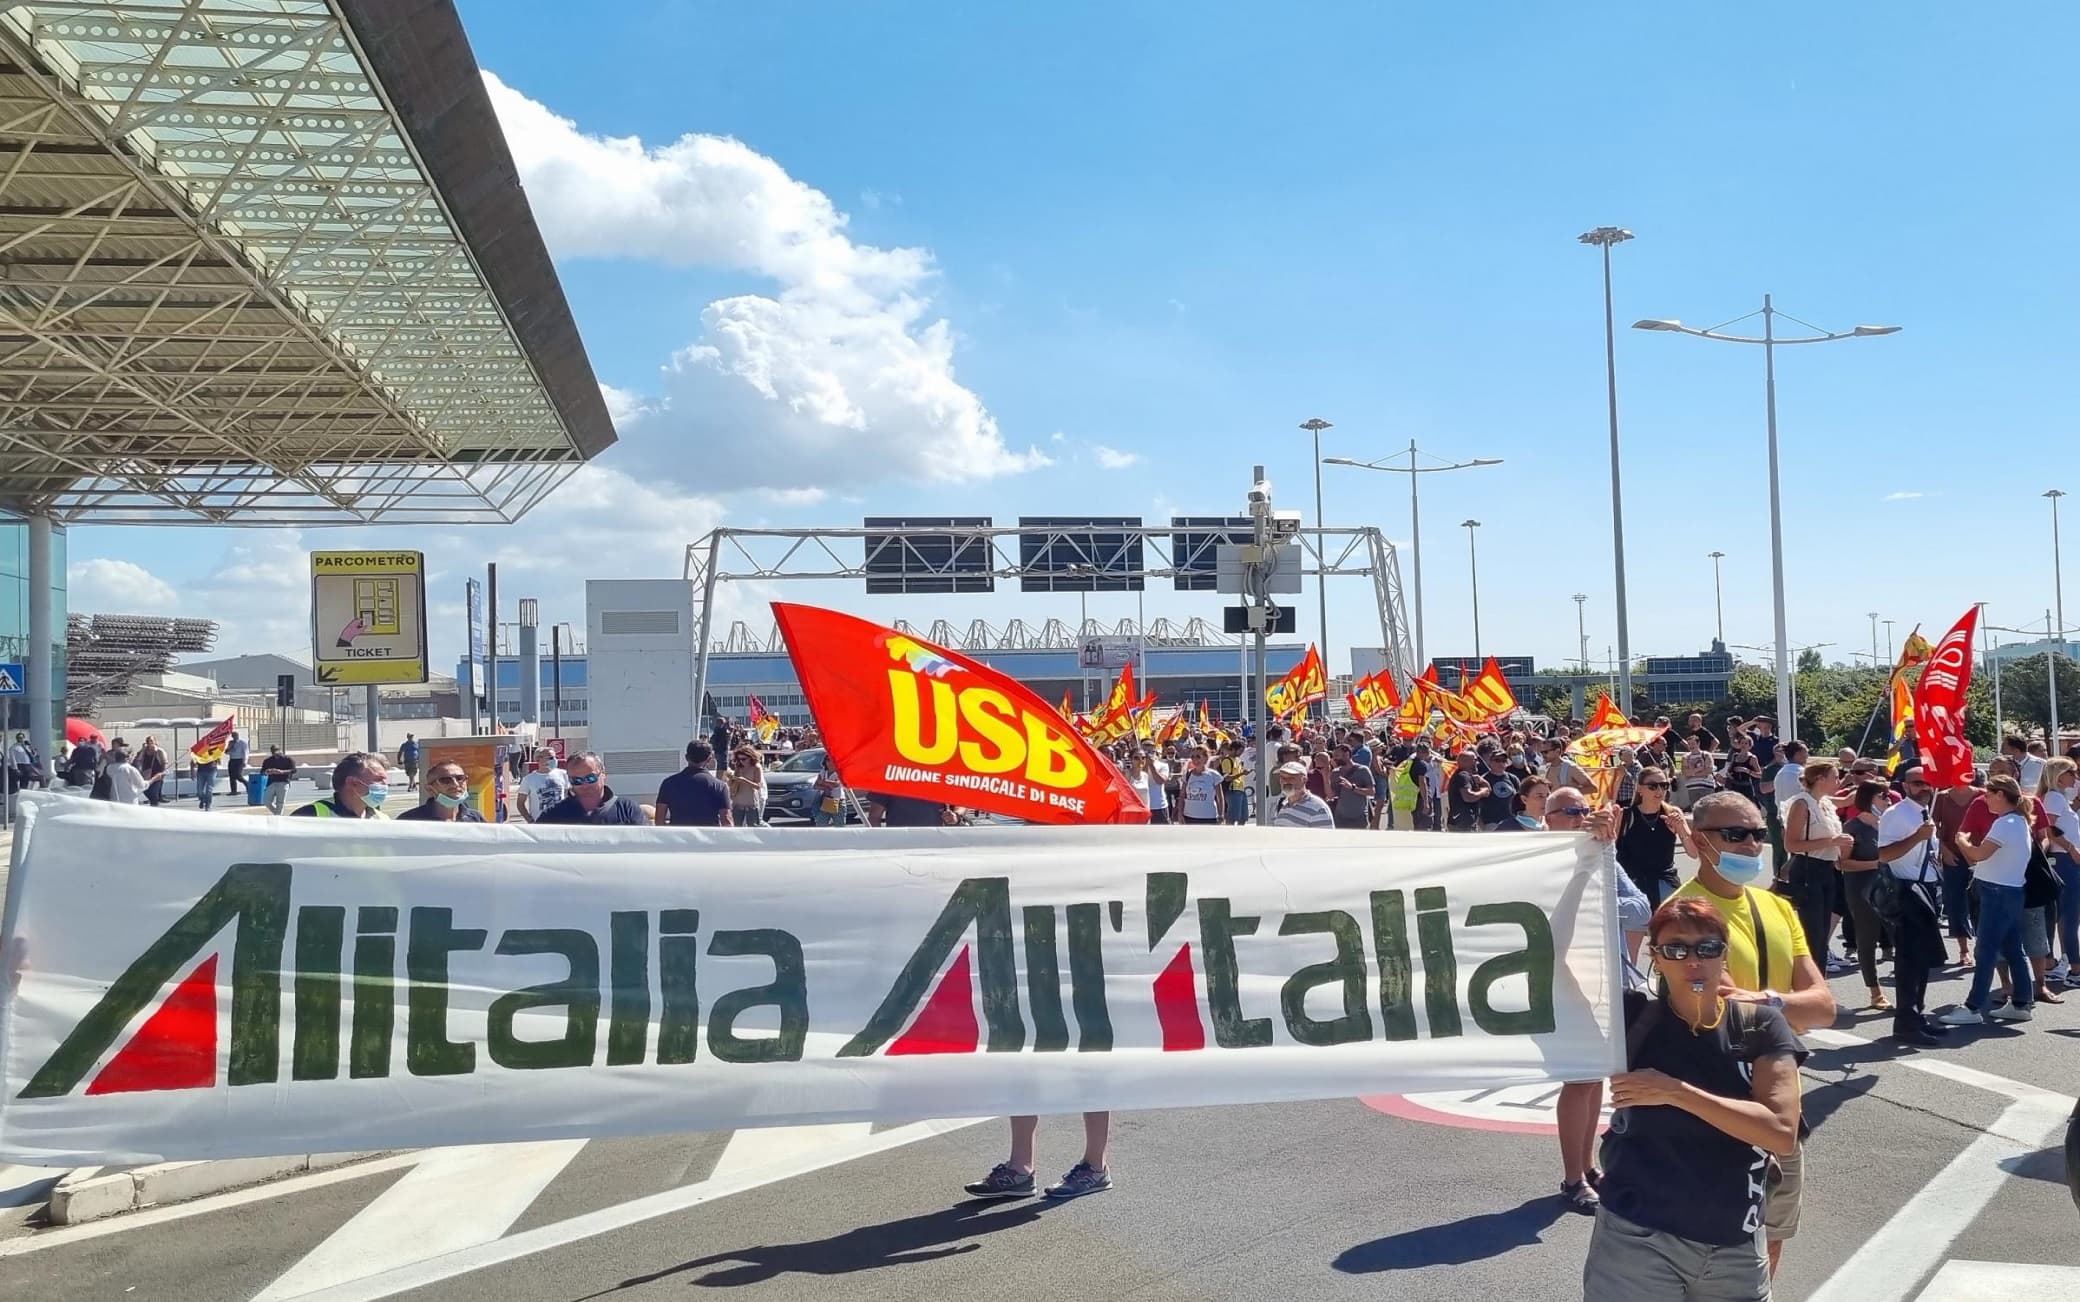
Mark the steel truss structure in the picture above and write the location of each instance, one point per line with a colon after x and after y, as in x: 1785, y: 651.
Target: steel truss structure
x: 772, y: 555
x: 981, y: 635
x: 105, y: 654
x: 232, y: 292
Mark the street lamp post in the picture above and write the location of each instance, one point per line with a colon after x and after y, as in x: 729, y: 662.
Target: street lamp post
x: 1874, y: 639
x: 1606, y: 237
x: 1719, y: 595
x: 1415, y: 517
x: 1315, y: 426
x: 1581, y: 629
x: 1888, y: 642
x: 1769, y: 342
x: 1473, y: 561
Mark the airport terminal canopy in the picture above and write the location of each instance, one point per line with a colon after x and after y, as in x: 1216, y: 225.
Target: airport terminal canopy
x: 268, y: 262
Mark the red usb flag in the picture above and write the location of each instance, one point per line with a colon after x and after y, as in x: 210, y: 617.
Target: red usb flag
x: 1939, y: 702
x: 906, y: 718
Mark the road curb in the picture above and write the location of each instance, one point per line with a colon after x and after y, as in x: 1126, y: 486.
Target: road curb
x: 94, y: 1192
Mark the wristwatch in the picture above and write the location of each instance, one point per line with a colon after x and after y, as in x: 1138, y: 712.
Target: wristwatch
x: 1775, y: 1001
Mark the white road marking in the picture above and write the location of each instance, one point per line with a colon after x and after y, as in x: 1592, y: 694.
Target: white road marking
x: 755, y: 1148
x: 454, y: 1198
x: 143, y: 1220
x: 1892, y: 1262
x: 577, y: 1228
x: 1999, y: 1281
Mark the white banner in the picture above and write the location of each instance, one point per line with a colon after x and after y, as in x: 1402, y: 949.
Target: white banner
x: 187, y: 987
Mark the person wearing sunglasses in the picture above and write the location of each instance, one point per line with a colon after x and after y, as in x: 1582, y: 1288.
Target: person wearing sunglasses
x: 1767, y: 959
x: 1708, y: 1099
x: 1649, y: 830
x: 447, y: 797
x: 591, y: 800
x: 1579, y: 1108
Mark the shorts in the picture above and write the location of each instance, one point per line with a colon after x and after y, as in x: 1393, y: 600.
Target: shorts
x: 2036, y: 932
x: 1780, y: 1213
x: 1199, y: 822
x: 1627, y: 1260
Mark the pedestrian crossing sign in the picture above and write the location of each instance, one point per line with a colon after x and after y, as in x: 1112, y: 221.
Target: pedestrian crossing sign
x: 13, y: 681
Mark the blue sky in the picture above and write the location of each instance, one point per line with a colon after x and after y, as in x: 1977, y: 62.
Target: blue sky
x: 1177, y: 231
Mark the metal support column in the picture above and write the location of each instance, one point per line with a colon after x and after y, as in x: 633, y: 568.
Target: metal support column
x: 491, y: 644
x: 530, y: 676
x: 703, y: 624
x: 43, y: 685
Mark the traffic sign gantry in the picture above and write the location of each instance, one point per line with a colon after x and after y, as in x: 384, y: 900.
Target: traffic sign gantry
x: 368, y: 617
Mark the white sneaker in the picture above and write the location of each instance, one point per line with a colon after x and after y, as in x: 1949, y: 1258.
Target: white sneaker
x: 1962, y: 1016
x: 1837, y: 965
x: 2010, y: 1013
x: 2059, y: 970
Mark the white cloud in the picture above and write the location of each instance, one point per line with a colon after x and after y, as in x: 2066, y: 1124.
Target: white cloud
x: 1905, y: 495
x: 840, y: 376
x: 794, y: 496
x: 1113, y: 458
x: 623, y: 408
x: 103, y: 585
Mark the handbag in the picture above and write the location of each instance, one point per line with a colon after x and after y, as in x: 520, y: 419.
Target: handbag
x: 2039, y: 883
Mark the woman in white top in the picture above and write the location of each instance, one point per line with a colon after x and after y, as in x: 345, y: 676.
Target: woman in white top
x: 1999, y: 859
x: 1814, y: 839
x: 1153, y: 775
x: 747, y: 788
x: 2055, y: 791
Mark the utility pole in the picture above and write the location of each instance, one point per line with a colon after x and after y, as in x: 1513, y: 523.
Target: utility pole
x: 1874, y: 639
x: 1581, y: 629
x: 1719, y: 596
x: 1257, y: 575
x: 1315, y: 426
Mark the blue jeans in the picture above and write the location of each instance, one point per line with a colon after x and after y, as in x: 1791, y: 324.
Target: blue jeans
x: 2068, y: 908
x: 1957, y: 900
x: 1238, y: 805
x: 2000, y: 940
x: 819, y: 818
x: 205, y: 788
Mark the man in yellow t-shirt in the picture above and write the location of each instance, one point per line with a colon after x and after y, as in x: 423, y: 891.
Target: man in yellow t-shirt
x: 1731, y: 841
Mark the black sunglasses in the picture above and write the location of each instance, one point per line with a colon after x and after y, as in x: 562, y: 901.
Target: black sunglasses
x: 1655, y: 786
x: 1677, y: 951
x: 1739, y: 835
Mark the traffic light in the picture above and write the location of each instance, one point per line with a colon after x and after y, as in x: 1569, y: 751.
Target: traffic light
x: 285, y: 690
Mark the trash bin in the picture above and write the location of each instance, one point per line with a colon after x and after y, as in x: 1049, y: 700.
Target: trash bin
x: 256, y: 788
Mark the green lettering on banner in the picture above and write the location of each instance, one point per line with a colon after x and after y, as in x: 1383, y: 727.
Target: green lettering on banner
x: 985, y: 904
x: 628, y: 968
x: 321, y: 931
x: 256, y: 896
x: 1397, y: 1009
x: 678, y: 957
x: 427, y: 1049
x: 788, y: 991
x: 1534, y: 962
x: 1167, y: 893
x: 578, y: 993
x: 1440, y: 964
x: 1044, y: 981
x: 1348, y: 967
x: 375, y: 984
x: 1217, y: 932
x: 1087, y: 979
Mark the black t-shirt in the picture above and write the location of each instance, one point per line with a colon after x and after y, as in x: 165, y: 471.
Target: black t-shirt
x: 426, y: 813
x: 1744, y: 774
x: 612, y: 810
x: 1500, y: 804
x: 1464, y: 809
x: 693, y: 798
x: 1646, y: 849
x: 1671, y: 1172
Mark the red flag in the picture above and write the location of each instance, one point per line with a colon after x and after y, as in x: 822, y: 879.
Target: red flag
x: 1946, y: 756
x: 1489, y: 691
x: 209, y: 748
x: 906, y: 718
x: 1606, y: 715
x: 1372, y: 696
x: 1307, y: 683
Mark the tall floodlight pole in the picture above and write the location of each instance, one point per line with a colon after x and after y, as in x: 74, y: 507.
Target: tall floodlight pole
x: 1473, y: 562
x: 1415, y: 518
x: 1719, y: 595
x: 2058, y: 580
x: 1769, y: 341
x: 1888, y: 641
x: 1607, y: 237
x: 1874, y: 639
x: 1581, y: 628
x: 1315, y: 426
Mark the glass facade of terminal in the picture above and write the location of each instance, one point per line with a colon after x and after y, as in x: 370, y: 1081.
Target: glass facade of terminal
x: 14, y: 618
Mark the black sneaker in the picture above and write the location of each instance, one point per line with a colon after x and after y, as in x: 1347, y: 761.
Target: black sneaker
x: 1081, y: 1180
x: 1003, y: 1181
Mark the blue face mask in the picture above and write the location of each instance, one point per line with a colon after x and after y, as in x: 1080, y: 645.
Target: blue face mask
x: 1528, y: 822
x: 450, y: 799
x: 377, y: 793
x: 1740, y: 869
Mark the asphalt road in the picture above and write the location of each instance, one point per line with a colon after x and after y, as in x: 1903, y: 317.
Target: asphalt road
x: 1912, y: 1162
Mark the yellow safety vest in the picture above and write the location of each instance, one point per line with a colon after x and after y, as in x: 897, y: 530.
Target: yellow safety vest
x: 1401, y: 789
x: 324, y: 809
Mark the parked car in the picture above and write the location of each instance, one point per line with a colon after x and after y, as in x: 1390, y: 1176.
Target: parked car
x: 791, y: 785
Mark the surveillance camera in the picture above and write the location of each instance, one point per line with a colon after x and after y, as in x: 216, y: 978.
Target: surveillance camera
x: 1260, y: 492
x: 1285, y: 524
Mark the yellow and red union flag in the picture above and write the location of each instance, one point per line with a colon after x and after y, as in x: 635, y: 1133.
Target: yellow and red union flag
x: 1307, y: 683
x: 209, y: 748
x: 1372, y: 696
x: 1902, y: 718
x: 906, y: 718
x: 1916, y: 650
x: 1066, y: 709
x: 1414, y: 713
x: 1606, y: 715
x: 1205, y: 719
x: 1123, y: 694
x: 1490, y: 691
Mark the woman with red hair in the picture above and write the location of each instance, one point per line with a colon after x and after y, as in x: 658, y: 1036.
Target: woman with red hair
x: 1707, y: 1104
